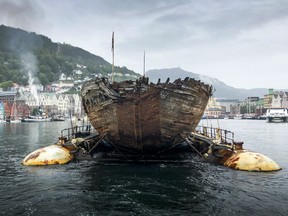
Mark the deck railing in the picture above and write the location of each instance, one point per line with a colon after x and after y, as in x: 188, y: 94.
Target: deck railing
x: 216, y: 133
x: 69, y: 133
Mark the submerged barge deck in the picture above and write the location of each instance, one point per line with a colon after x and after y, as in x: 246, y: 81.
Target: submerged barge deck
x: 86, y: 144
x: 211, y: 144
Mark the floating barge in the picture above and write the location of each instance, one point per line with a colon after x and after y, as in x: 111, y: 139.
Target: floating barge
x: 212, y: 144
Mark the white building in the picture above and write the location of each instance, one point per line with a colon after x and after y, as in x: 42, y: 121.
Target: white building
x: 280, y: 100
x: 52, y: 103
x: 63, y: 104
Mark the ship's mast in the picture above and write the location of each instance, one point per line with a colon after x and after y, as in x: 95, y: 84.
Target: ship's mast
x: 112, y: 49
x: 144, y: 65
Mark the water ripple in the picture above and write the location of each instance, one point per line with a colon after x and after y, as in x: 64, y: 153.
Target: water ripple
x: 88, y: 188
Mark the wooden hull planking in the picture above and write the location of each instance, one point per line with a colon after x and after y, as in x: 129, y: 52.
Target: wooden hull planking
x: 145, y: 117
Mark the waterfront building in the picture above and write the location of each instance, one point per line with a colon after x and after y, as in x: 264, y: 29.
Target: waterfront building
x: 78, y: 109
x: 63, y: 104
x: 268, y: 99
x: 276, y: 99
x: 49, y: 102
x: 214, y: 109
x: 227, y: 103
x: 249, y: 105
x: 13, y: 103
x: 31, y: 100
x: 279, y: 100
x: 8, y: 96
x: 235, y: 109
x: 285, y: 100
x: 260, y: 110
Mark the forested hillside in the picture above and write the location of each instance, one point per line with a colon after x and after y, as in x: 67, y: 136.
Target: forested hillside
x: 26, y: 53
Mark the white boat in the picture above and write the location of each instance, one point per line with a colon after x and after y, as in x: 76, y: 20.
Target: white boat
x: 58, y: 118
x: 277, y: 115
x: 13, y: 121
x: 36, y: 119
x: 238, y: 116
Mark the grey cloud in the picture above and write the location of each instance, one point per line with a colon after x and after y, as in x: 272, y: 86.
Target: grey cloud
x: 201, y: 30
x: 24, y: 14
x: 222, y: 19
x: 228, y: 20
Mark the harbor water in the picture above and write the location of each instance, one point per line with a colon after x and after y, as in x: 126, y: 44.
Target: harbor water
x: 88, y: 188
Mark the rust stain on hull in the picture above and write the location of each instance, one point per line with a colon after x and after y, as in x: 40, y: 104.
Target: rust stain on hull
x: 53, y: 154
x: 32, y: 156
x: 250, y: 161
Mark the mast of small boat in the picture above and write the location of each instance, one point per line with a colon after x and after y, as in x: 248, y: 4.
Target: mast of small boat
x: 112, y: 49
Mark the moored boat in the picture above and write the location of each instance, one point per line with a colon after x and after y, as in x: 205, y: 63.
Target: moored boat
x: 277, y: 115
x: 58, y: 118
x: 36, y: 119
x: 9, y: 120
x: 142, y: 117
x: 238, y: 116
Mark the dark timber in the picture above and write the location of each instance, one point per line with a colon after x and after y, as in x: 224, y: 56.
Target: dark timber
x: 145, y: 118
x: 212, y: 144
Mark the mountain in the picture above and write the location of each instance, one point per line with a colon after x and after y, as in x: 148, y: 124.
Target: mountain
x: 24, y: 54
x: 221, y: 89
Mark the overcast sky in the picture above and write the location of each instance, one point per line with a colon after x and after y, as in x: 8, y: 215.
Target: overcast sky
x: 243, y: 43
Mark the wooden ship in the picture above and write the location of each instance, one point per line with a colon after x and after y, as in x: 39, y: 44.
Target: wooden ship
x: 139, y: 121
x: 138, y: 116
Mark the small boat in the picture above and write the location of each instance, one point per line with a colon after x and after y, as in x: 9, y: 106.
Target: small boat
x: 9, y: 120
x: 58, y: 118
x: 36, y: 119
x: 141, y: 117
x: 238, y: 116
x: 277, y: 115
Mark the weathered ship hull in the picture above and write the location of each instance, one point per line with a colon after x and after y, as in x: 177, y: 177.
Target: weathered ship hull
x: 145, y: 117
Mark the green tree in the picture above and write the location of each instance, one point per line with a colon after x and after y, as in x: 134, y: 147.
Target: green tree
x: 53, y: 58
x: 43, y: 79
x: 6, y: 85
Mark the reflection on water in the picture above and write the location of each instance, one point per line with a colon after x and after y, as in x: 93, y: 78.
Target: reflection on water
x: 87, y: 188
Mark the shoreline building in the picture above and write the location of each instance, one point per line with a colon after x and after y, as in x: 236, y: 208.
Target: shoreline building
x: 276, y: 99
x: 13, y: 105
x: 227, y: 103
